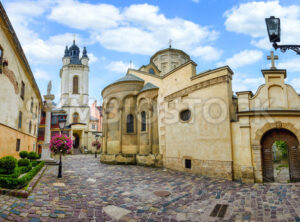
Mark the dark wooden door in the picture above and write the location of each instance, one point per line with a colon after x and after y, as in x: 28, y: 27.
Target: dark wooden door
x: 294, y: 163
x: 268, y: 171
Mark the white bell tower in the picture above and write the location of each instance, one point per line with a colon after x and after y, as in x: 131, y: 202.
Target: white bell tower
x: 75, y: 85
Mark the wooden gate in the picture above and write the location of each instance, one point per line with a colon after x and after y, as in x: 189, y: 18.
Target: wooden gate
x: 293, y: 154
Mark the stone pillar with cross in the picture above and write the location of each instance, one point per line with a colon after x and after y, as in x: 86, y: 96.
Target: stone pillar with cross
x: 272, y: 58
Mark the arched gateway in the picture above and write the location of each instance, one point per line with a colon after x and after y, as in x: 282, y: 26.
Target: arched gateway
x: 268, y: 154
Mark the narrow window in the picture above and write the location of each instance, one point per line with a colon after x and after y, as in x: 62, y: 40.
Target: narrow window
x: 75, y: 118
x: 34, y: 129
x: 93, y: 126
x: 31, y: 105
x: 22, y: 90
x: 130, y: 122
x: 188, y: 164
x: 75, y: 85
x: 143, y: 116
x: 30, y: 125
x: 18, y: 145
x: 53, y: 120
x: 20, y: 120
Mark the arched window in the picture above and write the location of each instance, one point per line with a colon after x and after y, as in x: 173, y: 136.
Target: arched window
x: 75, y: 85
x: 130, y: 124
x: 75, y: 118
x: 143, y: 117
x: 151, y: 71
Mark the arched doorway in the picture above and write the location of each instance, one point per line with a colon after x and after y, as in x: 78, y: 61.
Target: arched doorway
x: 76, y: 141
x: 268, y: 141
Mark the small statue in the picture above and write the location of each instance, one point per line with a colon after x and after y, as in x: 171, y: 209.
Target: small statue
x: 49, y: 88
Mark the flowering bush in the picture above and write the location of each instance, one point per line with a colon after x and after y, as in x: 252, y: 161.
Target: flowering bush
x: 61, y: 144
x: 97, y: 144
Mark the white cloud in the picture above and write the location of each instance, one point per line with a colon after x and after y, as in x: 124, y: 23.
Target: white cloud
x: 207, y: 53
x: 139, y: 28
x: 92, y: 58
x: 41, y: 74
x: 85, y: 16
x: 119, y: 66
x: 240, y: 82
x: 292, y: 65
x: 249, y: 19
x: 296, y: 84
x: 242, y: 58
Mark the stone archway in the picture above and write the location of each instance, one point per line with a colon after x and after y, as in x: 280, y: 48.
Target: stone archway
x: 267, y: 141
x: 256, y: 144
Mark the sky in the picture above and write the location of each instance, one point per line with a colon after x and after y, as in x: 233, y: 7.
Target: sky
x: 213, y: 32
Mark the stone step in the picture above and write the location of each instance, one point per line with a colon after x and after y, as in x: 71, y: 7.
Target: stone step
x: 51, y: 162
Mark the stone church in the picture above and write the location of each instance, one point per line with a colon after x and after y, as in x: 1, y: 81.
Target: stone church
x: 165, y: 114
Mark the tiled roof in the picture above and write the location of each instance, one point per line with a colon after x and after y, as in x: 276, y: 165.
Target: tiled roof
x: 128, y: 78
x: 148, y: 86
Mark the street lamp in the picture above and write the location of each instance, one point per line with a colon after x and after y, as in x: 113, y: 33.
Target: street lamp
x: 62, y: 124
x: 273, y: 27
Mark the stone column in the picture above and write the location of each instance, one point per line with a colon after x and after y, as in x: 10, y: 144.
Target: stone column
x: 45, y: 147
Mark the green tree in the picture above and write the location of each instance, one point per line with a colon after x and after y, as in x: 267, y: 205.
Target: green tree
x: 282, y: 147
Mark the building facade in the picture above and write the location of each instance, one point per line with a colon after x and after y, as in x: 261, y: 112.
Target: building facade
x: 20, y: 98
x: 56, y: 115
x: 166, y: 114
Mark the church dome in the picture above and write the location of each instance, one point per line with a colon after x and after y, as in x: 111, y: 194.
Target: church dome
x: 168, y: 59
x: 74, y: 54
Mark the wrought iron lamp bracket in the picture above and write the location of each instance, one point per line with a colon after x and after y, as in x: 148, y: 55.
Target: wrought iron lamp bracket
x: 283, y: 48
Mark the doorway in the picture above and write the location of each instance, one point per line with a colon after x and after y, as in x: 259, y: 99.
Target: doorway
x: 76, y: 141
x: 280, y: 156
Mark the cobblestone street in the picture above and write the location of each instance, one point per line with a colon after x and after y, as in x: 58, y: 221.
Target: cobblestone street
x: 91, y: 191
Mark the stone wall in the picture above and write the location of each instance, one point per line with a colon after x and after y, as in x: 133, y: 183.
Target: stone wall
x: 210, y: 168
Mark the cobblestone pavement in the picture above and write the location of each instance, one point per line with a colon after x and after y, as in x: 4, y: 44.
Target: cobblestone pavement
x: 91, y: 191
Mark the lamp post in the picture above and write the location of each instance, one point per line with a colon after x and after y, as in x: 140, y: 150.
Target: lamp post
x: 62, y: 124
x: 273, y: 27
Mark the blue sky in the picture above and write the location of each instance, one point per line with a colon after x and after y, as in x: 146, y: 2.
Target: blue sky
x: 213, y: 32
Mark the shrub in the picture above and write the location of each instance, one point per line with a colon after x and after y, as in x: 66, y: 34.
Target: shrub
x: 16, y: 183
x: 15, y: 174
x: 8, y: 163
x: 25, y: 169
x: 23, y: 162
x: 23, y: 154
x: 32, y: 156
x: 34, y: 163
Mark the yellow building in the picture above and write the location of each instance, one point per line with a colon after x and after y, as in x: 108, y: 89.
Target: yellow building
x: 166, y: 114
x: 19, y: 94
